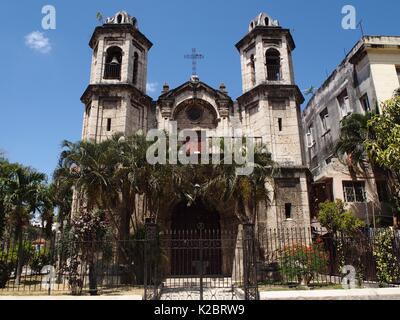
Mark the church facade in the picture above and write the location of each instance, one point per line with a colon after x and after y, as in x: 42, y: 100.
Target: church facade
x: 268, y: 110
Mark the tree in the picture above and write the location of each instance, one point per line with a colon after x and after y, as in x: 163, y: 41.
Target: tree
x: 384, y: 147
x: 350, y: 148
x: 46, y: 209
x: 115, y: 175
x: 3, y: 174
x: 106, y: 175
x: 99, y: 17
x: 62, y: 191
x: 335, y: 218
x: 22, y: 189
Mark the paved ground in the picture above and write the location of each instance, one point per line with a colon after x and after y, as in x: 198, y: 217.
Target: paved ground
x: 353, y: 294
x: 50, y: 298
x: 189, y: 289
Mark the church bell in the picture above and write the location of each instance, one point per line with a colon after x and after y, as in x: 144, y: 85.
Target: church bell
x: 114, y: 61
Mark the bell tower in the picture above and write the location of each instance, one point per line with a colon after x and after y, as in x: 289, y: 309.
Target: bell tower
x: 270, y: 110
x: 271, y: 100
x: 266, y: 54
x: 115, y: 100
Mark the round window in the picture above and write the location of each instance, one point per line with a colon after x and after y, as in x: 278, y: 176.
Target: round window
x: 194, y: 113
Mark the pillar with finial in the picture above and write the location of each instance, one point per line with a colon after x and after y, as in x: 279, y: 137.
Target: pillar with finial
x: 165, y: 88
x: 222, y: 88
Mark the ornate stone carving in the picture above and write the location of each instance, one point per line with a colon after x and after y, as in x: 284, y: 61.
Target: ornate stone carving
x: 223, y: 108
x: 122, y: 17
x: 166, y: 108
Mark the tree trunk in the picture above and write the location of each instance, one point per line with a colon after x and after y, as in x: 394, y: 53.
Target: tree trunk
x: 20, y: 264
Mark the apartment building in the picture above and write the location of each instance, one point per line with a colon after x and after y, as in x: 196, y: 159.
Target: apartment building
x: 369, y: 75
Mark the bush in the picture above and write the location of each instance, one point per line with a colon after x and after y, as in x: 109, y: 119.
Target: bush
x: 73, y: 269
x: 335, y: 218
x: 301, y: 263
x: 387, y: 264
x: 40, y: 260
x: 8, y: 263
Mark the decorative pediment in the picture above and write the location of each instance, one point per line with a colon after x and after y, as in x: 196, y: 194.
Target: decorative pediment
x: 194, y: 90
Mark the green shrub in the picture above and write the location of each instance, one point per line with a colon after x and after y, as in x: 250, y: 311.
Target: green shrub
x: 387, y: 264
x: 335, y: 218
x: 8, y: 263
x: 40, y: 260
x: 301, y: 263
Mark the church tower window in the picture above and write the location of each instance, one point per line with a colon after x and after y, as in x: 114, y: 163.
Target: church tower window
x: 267, y: 22
x: 112, y: 70
x: 280, y: 124
x: 288, y: 211
x: 135, y: 67
x: 273, y: 63
x: 253, y: 70
x: 108, y: 124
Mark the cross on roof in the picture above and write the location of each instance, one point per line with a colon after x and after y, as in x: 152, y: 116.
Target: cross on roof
x: 194, y: 57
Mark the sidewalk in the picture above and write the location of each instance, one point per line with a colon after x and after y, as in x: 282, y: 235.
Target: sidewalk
x: 68, y: 298
x: 353, y: 294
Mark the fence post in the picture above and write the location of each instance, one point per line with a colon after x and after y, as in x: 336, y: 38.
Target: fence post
x: 150, y: 237
x: 249, y: 263
x: 201, y: 229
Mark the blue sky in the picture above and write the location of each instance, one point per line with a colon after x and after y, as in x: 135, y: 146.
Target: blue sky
x: 40, y: 86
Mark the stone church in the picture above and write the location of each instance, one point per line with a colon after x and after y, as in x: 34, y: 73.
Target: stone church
x: 268, y: 109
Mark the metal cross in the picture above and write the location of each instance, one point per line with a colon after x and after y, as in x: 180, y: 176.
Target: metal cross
x: 194, y: 57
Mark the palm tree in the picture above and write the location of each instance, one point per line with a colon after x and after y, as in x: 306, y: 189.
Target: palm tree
x: 22, y: 188
x: 46, y: 209
x: 246, y: 191
x: 62, y: 191
x: 3, y: 169
x: 115, y: 176
x: 350, y: 148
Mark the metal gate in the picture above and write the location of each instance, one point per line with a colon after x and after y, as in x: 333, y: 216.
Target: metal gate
x: 200, y: 264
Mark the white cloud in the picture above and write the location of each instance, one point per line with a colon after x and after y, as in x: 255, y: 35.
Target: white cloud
x: 151, y: 87
x: 38, y: 41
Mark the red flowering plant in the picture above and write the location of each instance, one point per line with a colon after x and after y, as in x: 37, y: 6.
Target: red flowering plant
x: 301, y: 263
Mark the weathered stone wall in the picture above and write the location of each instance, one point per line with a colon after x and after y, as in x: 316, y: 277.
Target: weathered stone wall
x: 369, y: 70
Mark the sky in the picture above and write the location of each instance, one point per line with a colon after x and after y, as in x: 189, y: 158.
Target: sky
x: 45, y: 72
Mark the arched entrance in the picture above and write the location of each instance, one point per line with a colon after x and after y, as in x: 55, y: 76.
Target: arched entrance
x: 196, y: 241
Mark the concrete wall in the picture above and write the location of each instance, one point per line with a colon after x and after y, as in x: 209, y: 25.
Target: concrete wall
x: 383, y: 70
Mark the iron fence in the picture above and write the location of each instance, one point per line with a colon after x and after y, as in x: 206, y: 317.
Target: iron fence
x: 316, y: 258
x: 199, y: 264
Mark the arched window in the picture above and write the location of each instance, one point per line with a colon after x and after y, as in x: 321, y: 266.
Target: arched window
x: 266, y: 22
x: 135, y: 67
x: 119, y: 19
x: 252, y: 70
x: 112, y: 68
x: 273, y: 63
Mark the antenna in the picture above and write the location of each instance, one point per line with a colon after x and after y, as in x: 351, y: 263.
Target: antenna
x: 360, y: 25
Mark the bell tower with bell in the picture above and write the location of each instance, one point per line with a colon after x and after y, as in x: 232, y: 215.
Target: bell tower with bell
x: 115, y: 100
